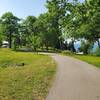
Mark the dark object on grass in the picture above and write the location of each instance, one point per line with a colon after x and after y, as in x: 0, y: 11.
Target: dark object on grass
x: 21, y: 64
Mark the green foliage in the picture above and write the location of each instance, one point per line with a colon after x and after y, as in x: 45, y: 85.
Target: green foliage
x: 64, y: 20
x: 9, y: 24
x: 36, y: 42
x: 28, y: 30
x: 97, y: 52
x: 42, y: 27
x: 1, y: 38
x: 56, y: 11
x: 29, y: 24
x: 82, y: 20
x: 86, y: 47
x: 67, y: 52
x: 1, y: 35
x: 28, y: 82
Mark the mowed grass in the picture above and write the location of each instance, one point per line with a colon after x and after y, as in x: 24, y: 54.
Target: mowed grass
x: 29, y: 82
x: 94, y: 60
x: 90, y: 59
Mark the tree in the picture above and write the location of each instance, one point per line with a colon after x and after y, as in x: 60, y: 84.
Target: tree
x: 43, y: 30
x: 82, y: 21
x: 1, y: 35
x: 89, y: 15
x: 1, y: 38
x: 56, y: 11
x: 94, y: 22
x: 36, y: 42
x: 72, y: 23
x: 10, y: 26
x: 29, y: 23
x: 86, y: 47
x: 27, y: 29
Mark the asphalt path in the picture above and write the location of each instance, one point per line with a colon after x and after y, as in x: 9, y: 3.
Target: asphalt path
x: 75, y: 80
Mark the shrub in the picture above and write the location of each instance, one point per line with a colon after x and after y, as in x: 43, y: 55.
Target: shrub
x: 86, y: 47
x: 67, y: 52
x: 97, y: 52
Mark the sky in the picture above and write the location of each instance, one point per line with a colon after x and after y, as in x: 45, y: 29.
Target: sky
x: 23, y: 8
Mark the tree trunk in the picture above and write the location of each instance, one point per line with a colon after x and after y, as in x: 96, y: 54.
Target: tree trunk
x: 47, y: 47
x: 98, y: 43
x: 72, y: 46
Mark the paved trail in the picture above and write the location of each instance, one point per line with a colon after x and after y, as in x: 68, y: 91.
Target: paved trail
x: 75, y: 80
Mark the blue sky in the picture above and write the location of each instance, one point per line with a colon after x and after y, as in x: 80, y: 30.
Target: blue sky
x: 23, y: 8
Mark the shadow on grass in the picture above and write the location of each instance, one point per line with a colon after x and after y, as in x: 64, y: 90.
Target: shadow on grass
x: 31, y: 50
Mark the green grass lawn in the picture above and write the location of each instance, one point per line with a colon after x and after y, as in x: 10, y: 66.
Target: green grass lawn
x: 29, y: 82
x: 90, y: 59
x: 87, y: 58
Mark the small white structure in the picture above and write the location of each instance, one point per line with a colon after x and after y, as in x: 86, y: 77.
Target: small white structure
x: 5, y: 44
x: 80, y: 53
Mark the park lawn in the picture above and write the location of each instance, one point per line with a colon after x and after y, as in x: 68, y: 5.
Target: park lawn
x: 94, y: 60
x: 29, y: 82
x: 89, y: 59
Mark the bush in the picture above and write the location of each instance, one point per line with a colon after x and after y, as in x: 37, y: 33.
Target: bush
x: 67, y: 52
x: 97, y: 52
x: 86, y: 47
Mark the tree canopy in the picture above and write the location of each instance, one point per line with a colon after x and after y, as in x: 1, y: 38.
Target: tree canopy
x: 64, y: 20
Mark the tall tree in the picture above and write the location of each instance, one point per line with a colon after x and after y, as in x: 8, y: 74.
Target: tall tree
x: 57, y: 11
x: 1, y: 35
x: 94, y: 20
x: 10, y: 26
x: 72, y: 23
x: 28, y: 28
x: 42, y: 27
x: 89, y: 14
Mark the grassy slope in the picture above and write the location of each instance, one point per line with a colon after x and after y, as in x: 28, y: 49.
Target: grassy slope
x: 90, y: 59
x: 29, y: 82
